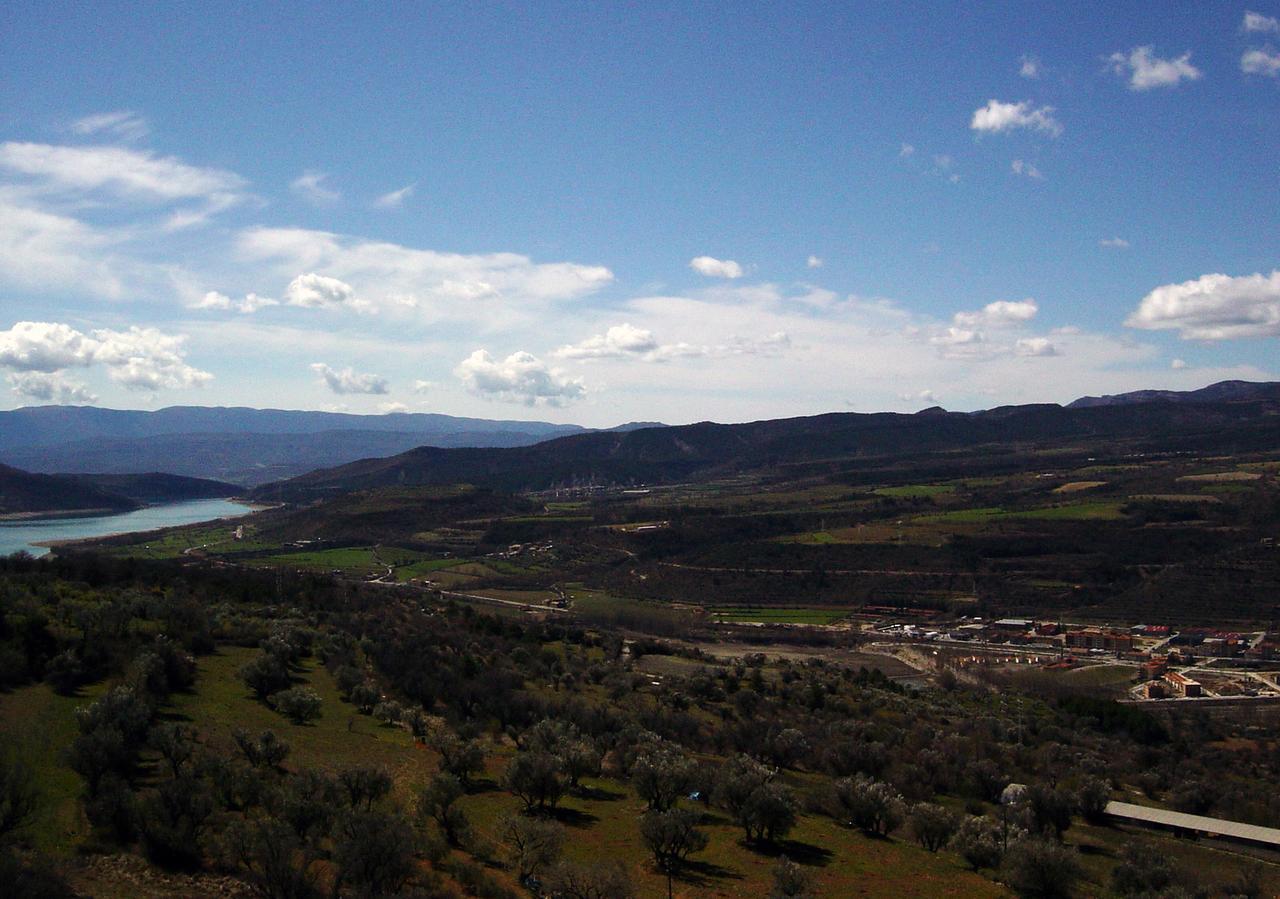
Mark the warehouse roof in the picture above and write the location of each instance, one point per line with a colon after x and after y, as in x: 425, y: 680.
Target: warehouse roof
x: 1214, y: 826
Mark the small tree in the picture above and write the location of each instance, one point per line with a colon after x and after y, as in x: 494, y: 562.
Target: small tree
x: 268, y: 751
x: 175, y: 745
x: 596, y: 880
x: 532, y: 844
x: 1050, y: 809
x: 265, y: 675
x: 661, y: 775
x: 365, y: 696
x: 769, y: 813
x: 790, y: 881
x: 932, y: 825
x: 298, y: 704
x: 870, y: 805
x: 672, y: 836
x: 275, y: 861
x: 537, y: 779
x: 1143, y: 871
x: 1092, y: 797
x: 1042, y: 869
x: 364, y: 785
x: 461, y: 758
x: 172, y: 818
x: 374, y: 852
x: 436, y: 802
x: 978, y: 840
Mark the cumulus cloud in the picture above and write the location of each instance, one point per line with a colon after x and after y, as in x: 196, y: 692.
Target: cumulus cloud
x: 1001, y: 313
x: 348, y: 380
x: 620, y: 340
x: 421, y: 386
x: 906, y: 150
x: 1025, y: 169
x: 1114, y: 243
x: 1145, y: 70
x: 124, y: 124
x: 923, y: 396
x: 49, y: 388
x: 1254, y: 21
x: 1030, y: 67
x: 1261, y: 62
x: 1213, y: 307
x: 392, y: 408
x: 395, y: 198
x: 715, y: 268
x: 1035, y: 346
x: 1178, y: 364
x: 519, y: 378
x: 310, y: 186
x: 312, y: 291
x: 814, y: 262
x: 250, y: 304
x: 391, y: 276
x: 997, y: 117
x: 139, y: 359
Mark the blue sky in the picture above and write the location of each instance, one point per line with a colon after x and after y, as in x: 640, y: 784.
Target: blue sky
x: 601, y: 213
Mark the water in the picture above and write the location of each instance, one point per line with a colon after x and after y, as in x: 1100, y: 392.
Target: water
x: 21, y: 535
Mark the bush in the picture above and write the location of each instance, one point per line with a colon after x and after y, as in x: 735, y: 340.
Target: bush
x: 265, y: 675
x: 298, y: 704
x: 932, y: 825
x: 1143, y: 870
x: 979, y: 841
x: 870, y: 805
x: 1042, y: 869
x: 171, y: 819
x: 790, y: 881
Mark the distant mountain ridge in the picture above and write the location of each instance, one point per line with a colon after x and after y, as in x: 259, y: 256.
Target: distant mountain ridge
x: 238, y: 444
x: 1221, y: 392
x: 707, y: 450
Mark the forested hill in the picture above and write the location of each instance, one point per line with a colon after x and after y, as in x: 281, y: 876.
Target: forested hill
x: 824, y: 441
x: 25, y: 493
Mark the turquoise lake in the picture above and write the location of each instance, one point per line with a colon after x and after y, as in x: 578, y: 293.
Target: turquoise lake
x: 21, y: 535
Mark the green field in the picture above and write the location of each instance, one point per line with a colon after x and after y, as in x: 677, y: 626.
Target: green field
x: 913, y: 491
x: 1094, y: 511
x: 777, y: 615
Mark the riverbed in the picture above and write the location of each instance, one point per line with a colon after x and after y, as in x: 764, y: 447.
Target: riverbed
x: 16, y: 536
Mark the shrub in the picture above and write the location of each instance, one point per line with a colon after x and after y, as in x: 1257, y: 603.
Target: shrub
x: 1041, y: 869
x: 932, y: 825
x: 298, y: 704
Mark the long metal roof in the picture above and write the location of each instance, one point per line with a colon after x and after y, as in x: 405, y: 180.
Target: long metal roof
x: 1218, y: 826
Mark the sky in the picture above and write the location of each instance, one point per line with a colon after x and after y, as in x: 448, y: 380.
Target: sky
x: 599, y: 213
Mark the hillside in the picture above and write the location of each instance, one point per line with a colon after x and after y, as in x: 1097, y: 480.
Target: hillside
x: 246, y: 446
x: 819, y: 443
x: 25, y: 494
x: 1223, y: 391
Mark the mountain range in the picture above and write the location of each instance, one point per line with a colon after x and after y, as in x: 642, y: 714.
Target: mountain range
x: 1230, y: 419
x: 240, y: 445
x: 24, y: 494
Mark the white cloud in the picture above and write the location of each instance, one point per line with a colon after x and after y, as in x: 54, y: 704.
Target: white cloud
x: 248, y: 305
x: 395, y: 198
x: 433, y: 284
x: 312, y: 291
x: 1114, y: 243
x: 520, y: 378
x: 348, y: 380
x: 1258, y: 22
x: 1178, y: 364
x: 46, y: 347
x: 49, y: 388
x: 1030, y: 67
x: 628, y: 342
x: 392, y: 408
x: 1035, y: 346
x: 923, y: 396
x: 1261, y: 62
x: 997, y: 117
x: 124, y: 124
x: 715, y: 268
x: 147, y: 359
x: 133, y: 174
x: 1145, y: 70
x: 310, y: 186
x: 1025, y: 169
x: 1001, y: 313
x: 906, y: 150
x: 421, y: 386
x: 1213, y: 307
x: 814, y: 262
x: 140, y: 358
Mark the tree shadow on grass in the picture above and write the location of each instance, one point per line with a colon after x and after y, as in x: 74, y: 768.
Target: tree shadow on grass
x: 798, y: 852
x: 599, y: 794
x: 482, y: 785
x: 572, y: 817
x: 701, y: 873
